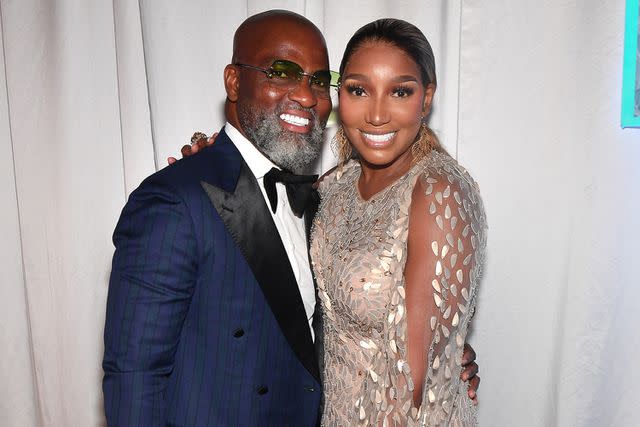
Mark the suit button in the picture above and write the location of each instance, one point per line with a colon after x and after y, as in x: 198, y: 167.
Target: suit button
x: 309, y: 388
x: 238, y: 333
x: 262, y: 390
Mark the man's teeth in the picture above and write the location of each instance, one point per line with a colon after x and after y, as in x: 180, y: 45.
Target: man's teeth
x: 294, y: 120
x: 379, y: 138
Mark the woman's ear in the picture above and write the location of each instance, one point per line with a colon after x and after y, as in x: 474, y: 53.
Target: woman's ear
x: 429, y: 91
x: 231, y: 82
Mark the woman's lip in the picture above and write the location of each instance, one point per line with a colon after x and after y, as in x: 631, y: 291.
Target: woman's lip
x: 378, y: 139
x: 376, y: 132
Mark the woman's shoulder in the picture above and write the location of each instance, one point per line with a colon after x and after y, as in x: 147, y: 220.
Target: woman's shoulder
x: 444, y: 184
x: 439, y: 171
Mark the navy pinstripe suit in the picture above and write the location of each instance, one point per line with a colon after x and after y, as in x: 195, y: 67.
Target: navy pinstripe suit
x: 205, y: 324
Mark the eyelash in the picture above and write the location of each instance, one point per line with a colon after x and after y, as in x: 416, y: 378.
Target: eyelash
x: 407, y: 91
x: 352, y: 88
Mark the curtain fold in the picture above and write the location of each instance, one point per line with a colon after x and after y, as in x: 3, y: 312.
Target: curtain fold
x: 18, y: 405
x: 138, y: 153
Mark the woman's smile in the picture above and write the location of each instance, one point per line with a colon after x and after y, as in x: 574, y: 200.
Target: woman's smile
x: 378, y: 140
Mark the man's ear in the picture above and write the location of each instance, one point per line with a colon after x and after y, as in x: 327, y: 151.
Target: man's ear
x: 429, y: 91
x: 231, y: 82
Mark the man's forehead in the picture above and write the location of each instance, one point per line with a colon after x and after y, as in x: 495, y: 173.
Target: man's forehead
x: 291, y: 51
x: 278, y: 35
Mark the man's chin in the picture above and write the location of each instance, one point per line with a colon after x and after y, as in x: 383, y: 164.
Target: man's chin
x: 297, y: 157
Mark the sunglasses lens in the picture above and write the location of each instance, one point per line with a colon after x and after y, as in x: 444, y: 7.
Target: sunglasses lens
x: 321, y: 79
x: 285, y: 70
x: 289, y: 73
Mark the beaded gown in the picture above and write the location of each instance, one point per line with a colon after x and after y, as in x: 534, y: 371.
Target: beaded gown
x: 358, y: 252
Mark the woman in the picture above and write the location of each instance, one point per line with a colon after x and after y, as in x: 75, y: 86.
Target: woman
x: 397, y: 245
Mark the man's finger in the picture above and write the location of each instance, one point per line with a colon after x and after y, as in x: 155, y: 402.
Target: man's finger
x: 171, y: 160
x: 468, y: 355
x: 473, y: 389
x: 469, y: 371
x: 185, y: 150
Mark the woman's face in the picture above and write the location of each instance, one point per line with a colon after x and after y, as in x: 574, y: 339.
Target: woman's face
x: 382, y: 102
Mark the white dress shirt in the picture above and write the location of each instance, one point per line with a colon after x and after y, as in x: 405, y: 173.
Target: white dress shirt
x: 290, y: 227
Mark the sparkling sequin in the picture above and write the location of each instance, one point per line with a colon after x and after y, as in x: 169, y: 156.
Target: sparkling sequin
x: 445, y: 251
x: 434, y: 248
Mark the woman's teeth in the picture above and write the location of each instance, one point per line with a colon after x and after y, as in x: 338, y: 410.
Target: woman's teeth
x: 379, y: 138
x: 294, y: 120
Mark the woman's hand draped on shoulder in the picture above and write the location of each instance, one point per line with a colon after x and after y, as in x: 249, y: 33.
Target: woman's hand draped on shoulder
x: 199, y: 140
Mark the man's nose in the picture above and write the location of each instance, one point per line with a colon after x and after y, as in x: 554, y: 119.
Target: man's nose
x: 303, y: 94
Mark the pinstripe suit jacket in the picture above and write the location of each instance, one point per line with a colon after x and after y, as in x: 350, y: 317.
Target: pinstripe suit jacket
x: 205, y: 325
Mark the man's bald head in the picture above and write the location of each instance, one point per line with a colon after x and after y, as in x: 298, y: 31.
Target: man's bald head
x: 257, y: 29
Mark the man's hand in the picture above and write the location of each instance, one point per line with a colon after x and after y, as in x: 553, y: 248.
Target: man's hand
x: 470, y: 372
x: 199, y: 140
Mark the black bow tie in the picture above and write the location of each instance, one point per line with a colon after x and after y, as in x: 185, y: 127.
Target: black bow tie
x: 299, y: 189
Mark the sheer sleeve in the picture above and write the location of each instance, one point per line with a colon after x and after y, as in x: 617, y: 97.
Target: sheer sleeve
x: 429, y: 314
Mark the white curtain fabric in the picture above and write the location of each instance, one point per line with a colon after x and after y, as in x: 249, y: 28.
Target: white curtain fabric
x: 557, y: 327
x: 94, y: 95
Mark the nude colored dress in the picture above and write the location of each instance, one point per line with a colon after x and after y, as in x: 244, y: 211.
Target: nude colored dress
x: 358, y: 255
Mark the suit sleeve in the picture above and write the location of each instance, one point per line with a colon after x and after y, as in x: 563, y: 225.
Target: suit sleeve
x: 152, y: 279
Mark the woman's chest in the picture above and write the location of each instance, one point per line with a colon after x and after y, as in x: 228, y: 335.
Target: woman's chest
x: 359, y: 252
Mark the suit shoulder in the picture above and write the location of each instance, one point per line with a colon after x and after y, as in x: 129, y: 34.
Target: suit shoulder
x: 215, y: 164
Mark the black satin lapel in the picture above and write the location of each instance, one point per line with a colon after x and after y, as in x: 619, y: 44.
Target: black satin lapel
x: 249, y: 221
x: 310, y: 213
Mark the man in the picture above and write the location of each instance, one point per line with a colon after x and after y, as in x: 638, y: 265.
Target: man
x: 211, y: 297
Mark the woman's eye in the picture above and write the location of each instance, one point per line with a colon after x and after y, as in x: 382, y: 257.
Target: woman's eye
x: 356, y: 90
x: 402, y: 92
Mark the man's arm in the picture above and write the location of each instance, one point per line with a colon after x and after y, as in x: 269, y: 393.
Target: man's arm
x: 150, y: 289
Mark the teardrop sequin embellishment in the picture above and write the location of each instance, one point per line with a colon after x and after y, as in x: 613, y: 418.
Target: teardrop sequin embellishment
x: 445, y: 251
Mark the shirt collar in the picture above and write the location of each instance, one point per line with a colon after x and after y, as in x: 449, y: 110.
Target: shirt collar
x: 257, y: 162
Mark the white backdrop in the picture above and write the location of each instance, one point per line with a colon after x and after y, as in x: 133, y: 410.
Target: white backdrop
x: 94, y: 95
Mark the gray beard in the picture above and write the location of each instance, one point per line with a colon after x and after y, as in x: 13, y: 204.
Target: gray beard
x: 292, y: 151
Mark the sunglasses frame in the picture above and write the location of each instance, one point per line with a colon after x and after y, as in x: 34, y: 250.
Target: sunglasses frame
x: 271, y: 73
